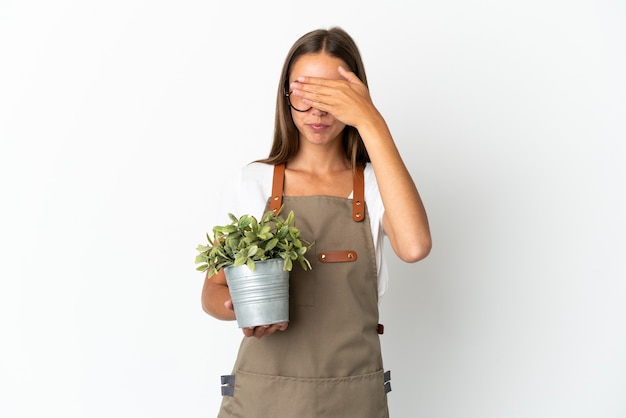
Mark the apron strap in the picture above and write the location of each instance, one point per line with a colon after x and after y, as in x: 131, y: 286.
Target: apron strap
x: 358, y: 191
x: 276, y: 200
x: 358, y: 194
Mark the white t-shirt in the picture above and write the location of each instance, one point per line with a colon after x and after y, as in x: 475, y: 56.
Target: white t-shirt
x: 246, y: 192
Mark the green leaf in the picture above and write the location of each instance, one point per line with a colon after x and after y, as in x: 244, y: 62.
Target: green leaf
x: 251, y: 265
x: 240, y: 260
x: 288, y: 264
x: 252, y: 251
x: 266, y: 216
x: 226, y: 229
x: 254, y: 225
x: 282, y: 233
x: 304, y: 263
x: 203, y: 248
x: 244, y: 221
x: 271, y: 244
x: 246, y: 240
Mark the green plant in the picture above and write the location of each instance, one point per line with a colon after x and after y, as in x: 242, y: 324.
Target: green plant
x: 246, y: 241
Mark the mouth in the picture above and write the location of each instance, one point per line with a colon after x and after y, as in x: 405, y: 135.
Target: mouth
x: 317, y: 126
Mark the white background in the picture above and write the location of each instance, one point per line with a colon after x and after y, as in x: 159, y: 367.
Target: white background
x: 119, y: 120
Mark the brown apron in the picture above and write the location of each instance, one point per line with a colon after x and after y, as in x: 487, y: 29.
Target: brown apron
x: 328, y: 362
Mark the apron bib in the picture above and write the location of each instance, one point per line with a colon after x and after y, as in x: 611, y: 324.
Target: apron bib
x: 328, y: 362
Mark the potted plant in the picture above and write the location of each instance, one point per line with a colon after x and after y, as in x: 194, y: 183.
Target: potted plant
x: 256, y: 257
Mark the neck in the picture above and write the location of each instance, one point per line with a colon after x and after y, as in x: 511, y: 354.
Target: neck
x: 320, y: 159
x: 319, y: 163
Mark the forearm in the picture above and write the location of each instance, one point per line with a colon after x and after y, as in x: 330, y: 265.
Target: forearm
x: 405, y: 222
x: 214, y: 295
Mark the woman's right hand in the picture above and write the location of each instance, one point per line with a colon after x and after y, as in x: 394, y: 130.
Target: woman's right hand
x: 263, y: 330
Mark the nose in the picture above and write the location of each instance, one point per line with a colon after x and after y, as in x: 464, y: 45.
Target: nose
x: 317, y: 112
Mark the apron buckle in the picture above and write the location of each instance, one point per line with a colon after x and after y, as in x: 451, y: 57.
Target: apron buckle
x: 228, y: 385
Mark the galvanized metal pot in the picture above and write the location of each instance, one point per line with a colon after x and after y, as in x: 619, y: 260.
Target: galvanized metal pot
x: 260, y: 297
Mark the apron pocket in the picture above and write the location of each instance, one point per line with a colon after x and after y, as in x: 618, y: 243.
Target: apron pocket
x: 263, y: 396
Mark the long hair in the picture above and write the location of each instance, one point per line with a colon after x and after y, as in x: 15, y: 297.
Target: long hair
x: 337, y: 43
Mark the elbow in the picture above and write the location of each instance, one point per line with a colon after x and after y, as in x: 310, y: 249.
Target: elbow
x: 204, y: 306
x: 416, y: 252
x: 208, y: 309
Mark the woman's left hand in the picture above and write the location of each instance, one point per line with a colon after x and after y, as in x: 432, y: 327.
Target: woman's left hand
x: 347, y: 100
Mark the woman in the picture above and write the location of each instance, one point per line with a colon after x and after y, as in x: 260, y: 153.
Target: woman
x: 334, y: 162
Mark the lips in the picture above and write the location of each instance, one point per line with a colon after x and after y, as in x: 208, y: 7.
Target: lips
x: 317, y: 126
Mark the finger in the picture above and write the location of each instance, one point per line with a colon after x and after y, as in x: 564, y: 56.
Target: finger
x: 317, y: 99
x: 260, y: 331
x: 320, y: 87
x: 314, y: 81
x: 349, y: 75
x: 276, y: 327
x: 309, y: 91
x: 229, y: 305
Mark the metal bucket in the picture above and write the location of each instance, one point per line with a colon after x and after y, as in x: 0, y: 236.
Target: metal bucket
x: 260, y: 297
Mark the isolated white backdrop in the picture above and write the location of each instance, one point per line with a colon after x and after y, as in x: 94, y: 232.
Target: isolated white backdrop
x: 119, y: 119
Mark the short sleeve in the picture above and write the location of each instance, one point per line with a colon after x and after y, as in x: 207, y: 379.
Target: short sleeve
x: 244, y: 192
x: 376, y: 210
